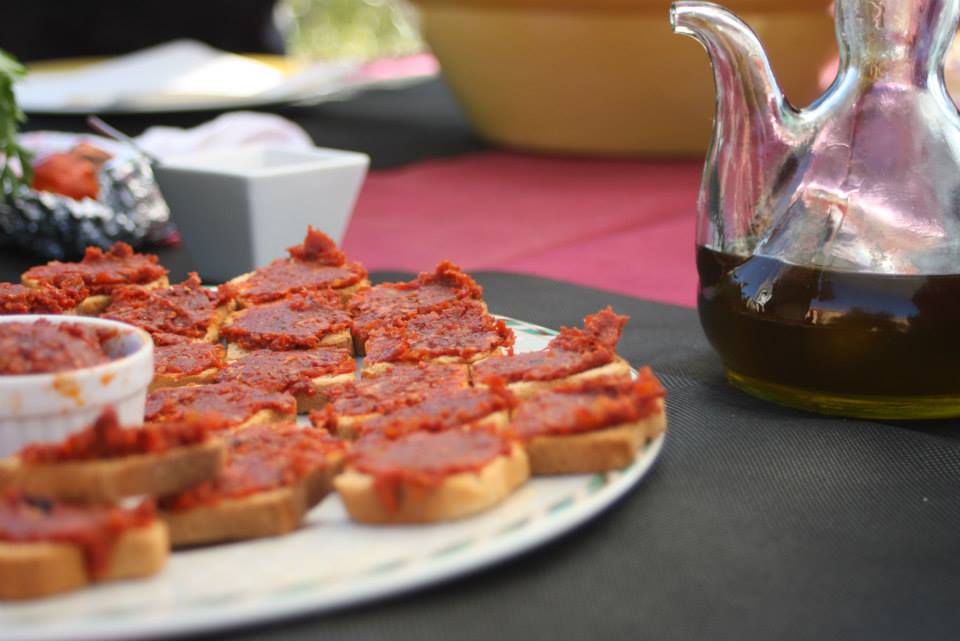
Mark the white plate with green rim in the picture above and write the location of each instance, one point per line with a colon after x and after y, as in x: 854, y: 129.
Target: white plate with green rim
x: 330, y: 563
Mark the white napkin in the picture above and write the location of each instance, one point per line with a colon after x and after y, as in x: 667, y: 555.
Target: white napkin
x: 174, y: 73
x: 229, y: 130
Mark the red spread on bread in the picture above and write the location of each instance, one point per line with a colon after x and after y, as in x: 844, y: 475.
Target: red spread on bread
x: 288, y: 371
x: 44, y: 299
x: 233, y: 402
x: 572, y: 351
x: 589, y: 405
x: 186, y: 309
x: 443, y: 411
x: 184, y: 358
x: 314, y: 265
x: 317, y: 248
x: 263, y: 458
x: 100, y: 271
x: 388, y: 302
x: 461, y: 329
x: 42, y: 347
x: 106, y: 439
x: 423, y: 460
x: 602, y: 329
x: 297, y: 322
x: 94, y: 528
x: 400, y: 386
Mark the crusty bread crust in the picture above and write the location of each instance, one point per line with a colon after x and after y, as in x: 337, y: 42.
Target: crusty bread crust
x: 219, y: 316
x: 336, y: 339
x: 618, y: 368
x: 174, y: 380
x: 319, y: 397
x: 109, y: 480
x: 32, y: 570
x: 346, y: 293
x: 260, y: 515
x: 611, y: 448
x: 265, y: 417
x: 459, y: 495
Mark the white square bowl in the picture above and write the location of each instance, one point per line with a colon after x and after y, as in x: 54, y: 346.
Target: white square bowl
x: 240, y: 208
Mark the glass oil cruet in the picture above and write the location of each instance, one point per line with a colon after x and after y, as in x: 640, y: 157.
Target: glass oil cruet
x: 828, y: 238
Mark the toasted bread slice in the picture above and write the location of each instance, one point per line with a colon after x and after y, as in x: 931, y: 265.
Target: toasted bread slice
x: 317, y: 397
x: 99, y: 272
x: 16, y: 298
x: 394, y: 388
x: 269, y: 513
x: 618, y: 368
x: 274, y: 475
x: 307, y: 374
x: 458, y: 496
x: 32, y: 570
x: 353, y: 427
x: 459, y: 332
x: 467, y: 408
x: 236, y: 284
x: 96, y: 304
x: 304, y: 320
x: 340, y: 340
x: 185, y: 311
x: 109, y: 480
x: 238, y: 404
x: 611, y: 448
x: 378, y: 368
x: 177, y: 363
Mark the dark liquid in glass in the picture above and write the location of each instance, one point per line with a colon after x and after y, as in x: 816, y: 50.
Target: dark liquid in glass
x: 829, y: 331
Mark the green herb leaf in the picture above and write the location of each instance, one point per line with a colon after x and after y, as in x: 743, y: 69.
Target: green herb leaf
x: 11, y: 116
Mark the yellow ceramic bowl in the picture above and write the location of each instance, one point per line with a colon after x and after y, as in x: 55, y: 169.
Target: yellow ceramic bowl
x: 606, y: 76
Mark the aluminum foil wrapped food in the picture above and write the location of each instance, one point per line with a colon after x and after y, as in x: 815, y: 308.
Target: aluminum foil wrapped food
x: 128, y: 204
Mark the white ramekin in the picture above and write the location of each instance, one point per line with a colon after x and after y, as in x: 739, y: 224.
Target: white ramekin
x: 44, y: 408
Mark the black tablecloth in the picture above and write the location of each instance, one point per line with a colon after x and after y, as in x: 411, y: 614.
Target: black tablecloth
x: 758, y: 522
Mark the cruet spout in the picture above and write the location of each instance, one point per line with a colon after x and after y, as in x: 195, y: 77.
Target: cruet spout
x: 753, y: 128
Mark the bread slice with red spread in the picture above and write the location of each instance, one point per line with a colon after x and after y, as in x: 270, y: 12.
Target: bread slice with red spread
x: 274, y: 475
x: 236, y: 404
x: 307, y: 374
x: 463, y: 409
x: 460, y: 332
x: 592, y: 425
x: 426, y: 477
x: 178, y: 361
x: 42, y: 299
x: 106, y: 462
x: 303, y: 320
x: 353, y: 403
x: 100, y: 273
x: 186, y: 309
x: 314, y: 265
x: 47, y: 547
x: 573, y: 355
x: 387, y: 303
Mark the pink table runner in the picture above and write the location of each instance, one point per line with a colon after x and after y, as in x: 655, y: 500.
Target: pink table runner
x: 622, y: 225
